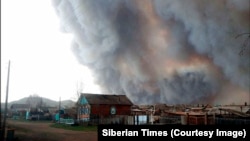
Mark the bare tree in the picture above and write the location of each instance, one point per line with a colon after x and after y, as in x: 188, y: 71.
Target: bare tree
x: 79, y: 89
x: 35, y: 101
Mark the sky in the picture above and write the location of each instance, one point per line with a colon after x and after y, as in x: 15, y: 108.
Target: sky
x: 41, y: 59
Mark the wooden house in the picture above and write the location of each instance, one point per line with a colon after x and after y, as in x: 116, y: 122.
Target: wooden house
x: 19, y: 107
x: 103, y: 107
x: 19, y: 110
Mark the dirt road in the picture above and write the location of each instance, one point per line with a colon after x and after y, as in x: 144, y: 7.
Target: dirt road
x: 37, y: 131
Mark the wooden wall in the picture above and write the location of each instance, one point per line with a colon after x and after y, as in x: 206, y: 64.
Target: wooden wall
x: 104, y: 110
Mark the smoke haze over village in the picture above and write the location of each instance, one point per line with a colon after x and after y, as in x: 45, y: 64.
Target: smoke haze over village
x: 163, y: 51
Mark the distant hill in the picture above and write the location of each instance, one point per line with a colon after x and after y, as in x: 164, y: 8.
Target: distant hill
x: 45, y: 101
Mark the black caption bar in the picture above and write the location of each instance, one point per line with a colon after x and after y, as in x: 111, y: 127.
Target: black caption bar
x: 115, y: 132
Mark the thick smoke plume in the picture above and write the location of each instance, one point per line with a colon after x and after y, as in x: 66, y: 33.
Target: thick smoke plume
x: 163, y: 51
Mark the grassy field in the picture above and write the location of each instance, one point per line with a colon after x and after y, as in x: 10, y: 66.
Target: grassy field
x: 50, y: 131
x: 61, y: 126
x: 74, y: 128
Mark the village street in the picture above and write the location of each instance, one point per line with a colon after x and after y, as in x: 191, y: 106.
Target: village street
x: 39, y: 131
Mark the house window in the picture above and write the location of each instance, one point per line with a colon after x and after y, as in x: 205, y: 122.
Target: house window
x: 112, y: 110
x: 85, y: 110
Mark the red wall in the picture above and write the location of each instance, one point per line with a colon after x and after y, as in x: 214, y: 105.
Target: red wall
x: 104, y: 110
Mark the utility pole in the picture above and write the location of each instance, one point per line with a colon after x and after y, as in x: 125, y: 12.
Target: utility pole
x: 0, y: 113
x: 6, y: 105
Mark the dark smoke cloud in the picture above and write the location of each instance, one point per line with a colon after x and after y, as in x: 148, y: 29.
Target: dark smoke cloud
x: 162, y: 51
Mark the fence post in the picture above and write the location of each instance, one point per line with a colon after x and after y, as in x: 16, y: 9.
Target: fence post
x: 205, y: 118
x: 10, y: 134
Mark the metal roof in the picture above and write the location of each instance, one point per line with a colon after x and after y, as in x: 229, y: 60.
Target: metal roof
x: 107, y: 99
x: 19, y: 106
